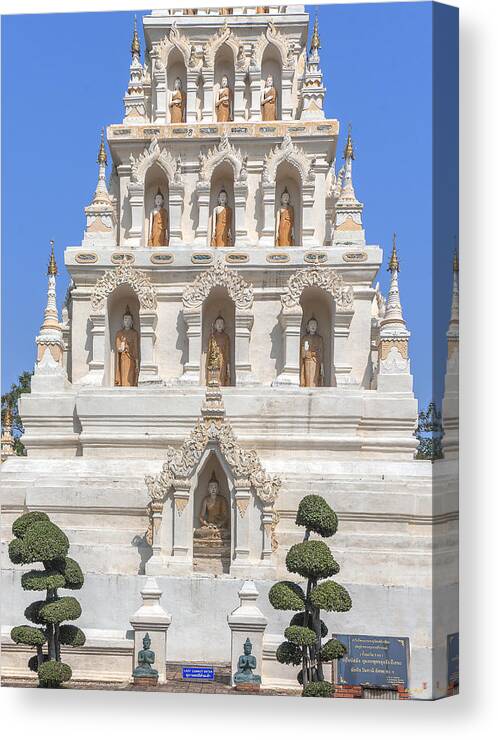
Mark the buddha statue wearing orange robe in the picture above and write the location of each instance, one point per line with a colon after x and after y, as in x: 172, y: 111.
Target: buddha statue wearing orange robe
x: 158, y: 236
x: 177, y: 103
x: 127, y: 354
x: 311, y: 362
x: 221, y: 233
x: 218, y: 355
x: 269, y: 101
x: 223, y: 103
x: 285, y: 222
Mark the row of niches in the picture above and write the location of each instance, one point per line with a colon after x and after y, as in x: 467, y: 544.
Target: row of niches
x: 258, y: 10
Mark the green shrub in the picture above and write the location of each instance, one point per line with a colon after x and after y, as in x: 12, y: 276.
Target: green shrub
x: 300, y: 635
x: 41, y: 580
x: 323, y: 689
x: 286, y: 595
x: 52, y: 673
x: 33, y: 662
x: 60, y: 610
x: 32, y: 612
x: 311, y: 559
x: 315, y: 514
x: 332, y: 650
x: 289, y: 653
x: 22, y: 523
x: 69, y: 634
x: 16, y: 551
x: 44, y: 541
x: 331, y: 596
x: 27, y: 635
x: 299, y: 620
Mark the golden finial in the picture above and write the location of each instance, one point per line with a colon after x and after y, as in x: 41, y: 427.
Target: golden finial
x: 135, y: 44
x: 315, y: 39
x: 456, y: 265
x: 393, y: 262
x: 52, y: 266
x: 348, y: 149
x: 102, y: 156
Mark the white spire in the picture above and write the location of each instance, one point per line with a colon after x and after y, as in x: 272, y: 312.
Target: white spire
x: 453, y: 328
x: 51, y: 316
x: 348, y: 209
x: 394, y: 312
x: 100, y: 214
x: 313, y: 91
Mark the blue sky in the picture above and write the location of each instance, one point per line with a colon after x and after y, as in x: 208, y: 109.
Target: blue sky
x: 377, y: 65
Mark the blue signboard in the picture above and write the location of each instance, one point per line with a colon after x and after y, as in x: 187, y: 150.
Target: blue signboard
x: 453, y: 652
x: 197, y: 673
x: 374, y: 661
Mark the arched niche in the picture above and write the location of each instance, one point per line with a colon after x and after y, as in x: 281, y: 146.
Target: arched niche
x: 272, y: 65
x: 319, y: 304
x: 287, y: 176
x: 175, y: 68
x: 121, y: 298
x: 223, y: 65
x: 218, y: 303
x: 155, y: 179
x: 222, y: 179
x: 211, y: 556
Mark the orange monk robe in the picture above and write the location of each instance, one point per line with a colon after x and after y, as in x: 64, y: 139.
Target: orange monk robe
x: 126, y: 374
x: 285, y: 227
x: 269, y: 109
x: 177, y: 106
x: 311, y: 361
x: 158, y: 229
x: 222, y: 228
x: 222, y: 350
x: 223, y: 105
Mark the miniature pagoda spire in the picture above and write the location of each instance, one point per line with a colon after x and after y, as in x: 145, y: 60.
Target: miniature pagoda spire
x: 134, y: 99
x: 51, y: 316
x: 315, y: 39
x: 135, y: 43
x: 100, y: 215
x: 453, y: 328
x: 394, y: 312
x: 450, y: 408
x: 7, y: 440
x: 348, y: 208
x: 101, y: 192
x: 313, y: 91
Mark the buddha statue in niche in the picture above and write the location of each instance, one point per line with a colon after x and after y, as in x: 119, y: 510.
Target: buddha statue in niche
x: 285, y: 222
x: 223, y: 103
x: 127, y: 354
x: 221, y: 227
x: 158, y: 236
x: 177, y: 103
x: 218, y: 355
x: 262, y: 9
x: 213, y: 516
x: 311, y: 362
x: 269, y: 100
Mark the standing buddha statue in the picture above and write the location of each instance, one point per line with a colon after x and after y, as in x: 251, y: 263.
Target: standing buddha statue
x: 158, y: 236
x: 177, y: 103
x: 311, y: 363
x: 223, y: 102
x: 221, y: 230
x: 218, y: 355
x: 285, y: 222
x: 269, y: 100
x: 127, y: 354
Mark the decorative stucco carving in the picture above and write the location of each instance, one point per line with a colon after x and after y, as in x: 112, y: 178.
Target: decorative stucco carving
x: 219, y: 274
x: 150, y: 155
x: 284, y: 47
x: 287, y: 151
x: 223, y: 35
x: 324, y: 278
x: 173, y: 40
x: 124, y: 274
x: 224, y: 152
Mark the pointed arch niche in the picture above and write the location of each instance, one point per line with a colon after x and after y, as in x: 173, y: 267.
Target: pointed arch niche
x: 118, y: 301
x: 271, y: 64
x: 319, y: 304
x: 222, y: 179
x: 287, y: 176
x: 224, y: 65
x: 218, y: 303
x: 175, y: 68
x: 156, y: 179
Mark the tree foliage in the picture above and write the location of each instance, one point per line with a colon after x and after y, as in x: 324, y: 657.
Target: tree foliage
x: 429, y: 433
x: 10, y: 400
x: 312, y: 560
x: 38, y: 540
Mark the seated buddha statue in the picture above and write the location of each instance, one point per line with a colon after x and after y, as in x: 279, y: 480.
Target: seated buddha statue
x: 246, y: 665
x: 213, y: 516
x: 146, y: 658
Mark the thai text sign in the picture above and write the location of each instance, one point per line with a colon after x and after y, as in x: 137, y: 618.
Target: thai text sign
x: 197, y: 673
x: 373, y: 661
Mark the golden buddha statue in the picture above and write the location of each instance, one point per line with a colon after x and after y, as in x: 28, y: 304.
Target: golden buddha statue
x: 214, y: 516
x: 218, y: 355
x: 177, y: 103
x: 221, y: 227
x: 269, y: 100
x: 158, y: 223
x: 285, y: 222
x: 311, y: 362
x: 223, y: 103
x: 127, y: 354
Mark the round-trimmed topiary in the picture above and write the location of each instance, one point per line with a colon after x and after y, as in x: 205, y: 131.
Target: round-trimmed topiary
x: 300, y: 635
x: 323, y: 689
x: 287, y: 595
x: 331, y: 596
x: 299, y: 620
x: 72, y: 574
x: 60, y: 610
x: 32, y: 612
x: 41, y: 580
x: 52, y: 673
x: 315, y: 514
x: 33, y: 662
x: 289, y: 654
x: 332, y: 650
x: 69, y: 634
x: 16, y: 551
x: 311, y: 559
x: 23, y: 522
x: 27, y: 635
x: 44, y: 541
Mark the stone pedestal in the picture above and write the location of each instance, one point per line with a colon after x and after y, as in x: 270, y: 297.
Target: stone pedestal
x: 247, y: 621
x: 151, y: 618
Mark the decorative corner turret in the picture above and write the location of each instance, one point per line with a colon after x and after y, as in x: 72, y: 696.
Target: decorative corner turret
x: 101, y: 213
x: 348, y: 225
x: 313, y: 91
x: 7, y: 442
x: 450, y: 408
x: 134, y: 99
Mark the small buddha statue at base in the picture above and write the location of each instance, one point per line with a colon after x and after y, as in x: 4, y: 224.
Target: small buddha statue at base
x: 245, y: 679
x: 144, y: 673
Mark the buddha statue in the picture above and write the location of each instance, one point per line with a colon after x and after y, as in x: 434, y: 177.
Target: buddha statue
x: 226, y: 11
x: 218, y: 355
x: 146, y: 658
x: 269, y: 100
x: 246, y: 665
x: 223, y: 102
x: 158, y: 223
x: 221, y: 227
x: 285, y: 222
x: 177, y: 103
x: 213, y: 516
x: 262, y: 9
x: 127, y: 354
x: 311, y: 363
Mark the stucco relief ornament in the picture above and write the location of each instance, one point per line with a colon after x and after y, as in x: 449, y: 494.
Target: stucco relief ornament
x: 287, y: 151
x: 223, y: 35
x: 273, y: 36
x: 325, y: 278
x: 219, y: 275
x: 152, y: 153
x: 225, y: 151
x: 124, y: 274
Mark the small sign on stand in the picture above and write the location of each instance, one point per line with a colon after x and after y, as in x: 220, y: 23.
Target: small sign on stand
x: 197, y: 673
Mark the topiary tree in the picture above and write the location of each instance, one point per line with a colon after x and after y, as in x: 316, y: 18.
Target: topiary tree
x: 312, y: 560
x: 38, y: 540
